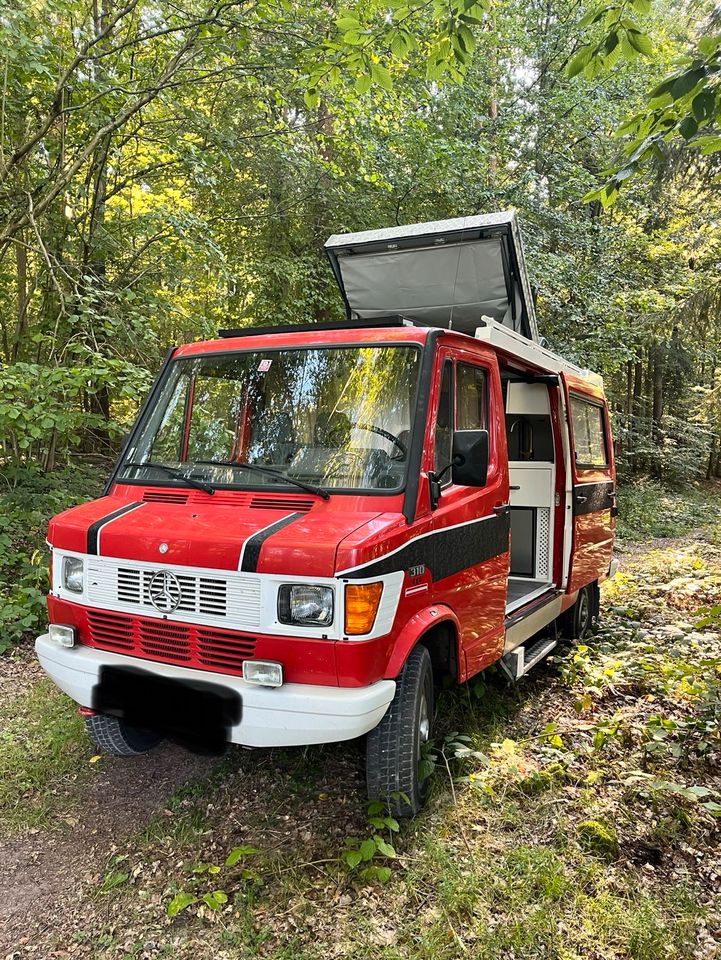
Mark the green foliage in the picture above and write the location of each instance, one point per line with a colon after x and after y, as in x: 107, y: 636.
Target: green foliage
x: 202, y: 877
x: 647, y: 509
x: 684, y: 107
x: 367, y: 855
x: 28, y: 500
x: 41, y: 412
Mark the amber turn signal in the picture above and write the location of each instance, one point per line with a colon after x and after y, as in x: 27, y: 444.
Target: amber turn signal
x: 361, y: 606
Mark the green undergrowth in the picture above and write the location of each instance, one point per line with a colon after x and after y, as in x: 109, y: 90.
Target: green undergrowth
x: 648, y: 510
x: 574, y: 815
x: 28, y: 499
x: 43, y: 755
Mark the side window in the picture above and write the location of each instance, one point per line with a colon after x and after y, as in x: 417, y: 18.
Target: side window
x: 444, y: 422
x: 470, y: 398
x: 588, y: 433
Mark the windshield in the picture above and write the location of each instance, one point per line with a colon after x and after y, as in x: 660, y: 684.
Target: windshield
x: 333, y: 417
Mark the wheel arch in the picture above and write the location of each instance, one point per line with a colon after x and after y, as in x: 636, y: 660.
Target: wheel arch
x: 438, y: 629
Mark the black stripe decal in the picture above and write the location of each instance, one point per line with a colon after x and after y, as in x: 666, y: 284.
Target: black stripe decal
x: 445, y: 552
x: 94, y: 528
x: 592, y: 497
x: 251, y: 549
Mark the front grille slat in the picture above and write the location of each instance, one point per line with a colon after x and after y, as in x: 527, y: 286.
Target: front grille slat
x: 207, y: 598
x: 166, y: 641
x: 207, y: 595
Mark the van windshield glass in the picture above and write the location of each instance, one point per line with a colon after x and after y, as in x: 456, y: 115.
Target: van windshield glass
x: 332, y: 417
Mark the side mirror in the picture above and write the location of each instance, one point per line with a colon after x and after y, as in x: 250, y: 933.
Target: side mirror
x: 470, y: 458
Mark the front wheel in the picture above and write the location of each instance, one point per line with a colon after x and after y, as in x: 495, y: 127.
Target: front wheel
x: 118, y: 738
x: 393, y: 749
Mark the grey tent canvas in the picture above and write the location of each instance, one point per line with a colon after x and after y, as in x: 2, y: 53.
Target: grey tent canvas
x: 446, y: 273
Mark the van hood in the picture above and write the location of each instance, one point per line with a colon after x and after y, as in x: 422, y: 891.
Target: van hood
x: 289, y: 537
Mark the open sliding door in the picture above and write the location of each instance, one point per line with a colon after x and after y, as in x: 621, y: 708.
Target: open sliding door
x: 590, y: 485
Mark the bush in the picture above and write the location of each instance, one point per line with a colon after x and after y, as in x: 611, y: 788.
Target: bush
x: 25, y: 509
x: 647, y: 509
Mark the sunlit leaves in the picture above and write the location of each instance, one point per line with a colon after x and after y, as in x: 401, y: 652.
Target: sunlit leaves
x: 434, y: 40
x: 683, y: 106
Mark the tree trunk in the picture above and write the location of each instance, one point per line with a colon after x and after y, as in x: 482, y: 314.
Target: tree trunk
x: 659, y: 370
x: 711, y: 458
x: 21, y: 274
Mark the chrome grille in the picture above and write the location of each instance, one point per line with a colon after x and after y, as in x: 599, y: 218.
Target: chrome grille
x: 213, y: 598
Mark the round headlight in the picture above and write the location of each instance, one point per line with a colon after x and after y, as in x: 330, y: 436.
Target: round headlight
x: 73, y: 574
x: 305, y: 604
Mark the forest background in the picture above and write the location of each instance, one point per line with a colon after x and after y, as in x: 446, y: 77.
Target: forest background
x: 168, y: 168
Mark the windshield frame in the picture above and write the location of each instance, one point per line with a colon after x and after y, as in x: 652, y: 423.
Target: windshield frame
x: 416, y: 435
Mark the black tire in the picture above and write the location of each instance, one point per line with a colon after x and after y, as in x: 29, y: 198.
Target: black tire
x: 118, y: 738
x: 393, y: 749
x: 580, y: 621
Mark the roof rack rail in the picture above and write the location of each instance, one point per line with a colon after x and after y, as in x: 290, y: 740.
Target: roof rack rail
x: 395, y: 320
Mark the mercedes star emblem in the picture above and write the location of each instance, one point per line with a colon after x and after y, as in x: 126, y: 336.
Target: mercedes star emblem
x: 163, y: 548
x: 165, y: 592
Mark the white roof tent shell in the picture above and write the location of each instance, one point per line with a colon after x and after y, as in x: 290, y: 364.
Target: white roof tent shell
x: 447, y: 273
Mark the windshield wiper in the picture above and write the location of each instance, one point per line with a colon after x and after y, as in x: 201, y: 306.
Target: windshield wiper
x: 268, y: 472
x: 174, y: 472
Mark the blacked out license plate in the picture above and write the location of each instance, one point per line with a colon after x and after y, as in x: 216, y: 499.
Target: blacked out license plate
x: 197, y: 714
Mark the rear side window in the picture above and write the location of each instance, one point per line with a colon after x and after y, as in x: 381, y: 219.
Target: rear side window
x: 589, y: 436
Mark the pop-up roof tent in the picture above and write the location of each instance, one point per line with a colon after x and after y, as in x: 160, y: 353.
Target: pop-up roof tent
x: 447, y: 273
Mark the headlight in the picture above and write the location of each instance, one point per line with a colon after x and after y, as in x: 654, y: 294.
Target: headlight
x: 73, y: 574
x: 307, y: 605
x: 62, y: 634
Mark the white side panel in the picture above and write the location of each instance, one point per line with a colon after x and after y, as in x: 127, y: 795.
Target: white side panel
x: 527, y: 399
x: 515, y: 345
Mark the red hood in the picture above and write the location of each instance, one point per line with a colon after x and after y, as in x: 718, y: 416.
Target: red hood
x: 210, y: 533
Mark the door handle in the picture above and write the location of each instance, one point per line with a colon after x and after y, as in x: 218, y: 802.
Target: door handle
x: 515, y: 488
x: 501, y: 508
x: 581, y: 499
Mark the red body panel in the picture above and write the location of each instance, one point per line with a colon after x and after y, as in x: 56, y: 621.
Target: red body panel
x: 477, y: 594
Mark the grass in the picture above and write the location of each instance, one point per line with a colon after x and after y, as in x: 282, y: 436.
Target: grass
x: 647, y: 510
x: 43, y: 753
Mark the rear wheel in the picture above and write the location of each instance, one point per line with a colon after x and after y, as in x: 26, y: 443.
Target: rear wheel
x: 393, y: 749
x: 579, y: 622
x: 118, y: 738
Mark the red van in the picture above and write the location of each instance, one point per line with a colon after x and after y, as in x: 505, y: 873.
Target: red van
x: 309, y: 526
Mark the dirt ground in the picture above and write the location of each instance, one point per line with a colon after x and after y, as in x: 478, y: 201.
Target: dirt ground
x: 46, y: 872
x: 141, y: 816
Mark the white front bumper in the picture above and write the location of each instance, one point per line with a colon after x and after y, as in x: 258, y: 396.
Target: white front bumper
x: 292, y: 715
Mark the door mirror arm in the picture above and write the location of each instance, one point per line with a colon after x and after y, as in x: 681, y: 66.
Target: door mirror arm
x: 435, y: 482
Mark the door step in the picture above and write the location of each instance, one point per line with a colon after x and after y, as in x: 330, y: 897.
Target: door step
x: 519, y: 661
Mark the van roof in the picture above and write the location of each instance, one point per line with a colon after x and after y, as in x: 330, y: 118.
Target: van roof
x: 511, y: 346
